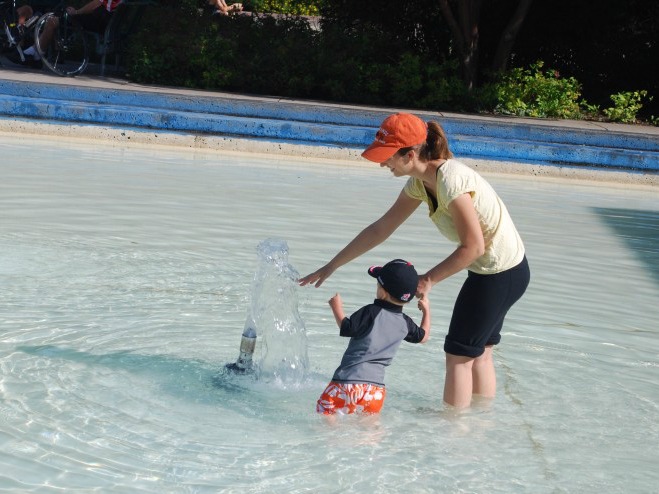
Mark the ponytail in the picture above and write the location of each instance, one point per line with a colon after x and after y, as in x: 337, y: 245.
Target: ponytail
x: 436, y: 145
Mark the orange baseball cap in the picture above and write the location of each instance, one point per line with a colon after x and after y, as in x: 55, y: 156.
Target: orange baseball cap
x: 398, y: 131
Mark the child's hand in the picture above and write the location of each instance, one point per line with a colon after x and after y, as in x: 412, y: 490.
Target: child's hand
x: 335, y: 302
x: 337, y: 309
x: 423, y: 304
x: 424, y: 307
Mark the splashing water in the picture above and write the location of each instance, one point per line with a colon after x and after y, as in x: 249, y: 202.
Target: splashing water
x: 274, y: 313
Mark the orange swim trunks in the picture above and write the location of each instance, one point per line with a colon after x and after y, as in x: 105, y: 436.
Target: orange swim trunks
x: 344, y: 398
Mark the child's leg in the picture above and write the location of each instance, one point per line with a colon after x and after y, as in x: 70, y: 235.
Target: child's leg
x: 331, y: 400
x: 372, y: 399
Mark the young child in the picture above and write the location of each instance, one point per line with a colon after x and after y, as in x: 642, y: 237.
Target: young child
x: 376, y: 331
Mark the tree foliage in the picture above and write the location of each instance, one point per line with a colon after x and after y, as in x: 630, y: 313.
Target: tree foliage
x: 609, y: 46
x: 393, y: 53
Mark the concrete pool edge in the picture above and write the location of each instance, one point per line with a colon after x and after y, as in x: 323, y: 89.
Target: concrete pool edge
x: 88, y: 100
x: 281, y: 149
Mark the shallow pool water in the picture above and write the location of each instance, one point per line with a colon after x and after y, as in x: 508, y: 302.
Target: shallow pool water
x: 126, y: 277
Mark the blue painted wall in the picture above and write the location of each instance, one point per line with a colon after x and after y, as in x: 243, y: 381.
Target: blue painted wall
x: 324, y: 124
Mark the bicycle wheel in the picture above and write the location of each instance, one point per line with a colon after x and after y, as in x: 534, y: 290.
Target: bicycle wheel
x: 67, y: 53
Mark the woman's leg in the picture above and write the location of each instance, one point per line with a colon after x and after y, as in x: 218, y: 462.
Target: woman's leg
x: 458, y: 383
x: 469, y: 376
x: 475, y: 328
x: 484, y: 377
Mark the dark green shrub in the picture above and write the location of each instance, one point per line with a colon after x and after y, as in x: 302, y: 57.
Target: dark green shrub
x: 383, y: 52
x: 167, y: 47
x: 285, y: 56
x: 244, y: 53
x: 354, y: 67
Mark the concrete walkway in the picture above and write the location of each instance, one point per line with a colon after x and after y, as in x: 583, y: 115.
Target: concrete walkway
x: 90, y: 106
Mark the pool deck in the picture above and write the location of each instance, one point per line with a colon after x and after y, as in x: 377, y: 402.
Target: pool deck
x: 92, y: 107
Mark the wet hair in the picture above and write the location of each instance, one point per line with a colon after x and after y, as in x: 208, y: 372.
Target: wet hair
x: 435, y: 147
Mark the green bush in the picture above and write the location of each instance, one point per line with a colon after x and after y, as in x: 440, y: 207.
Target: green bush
x: 533, y: 92
x: 626, y: 106
x: 294, y: 7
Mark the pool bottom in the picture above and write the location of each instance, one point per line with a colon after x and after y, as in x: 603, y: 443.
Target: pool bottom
x: 126, y: 274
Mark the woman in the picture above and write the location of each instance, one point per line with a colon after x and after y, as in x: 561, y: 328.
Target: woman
x: 466, y: 210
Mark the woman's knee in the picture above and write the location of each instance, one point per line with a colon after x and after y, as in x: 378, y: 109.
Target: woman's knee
x: 455, y: 362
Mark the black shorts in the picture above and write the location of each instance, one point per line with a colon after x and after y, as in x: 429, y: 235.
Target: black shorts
x: 96, y: 21
x: 480, y: 308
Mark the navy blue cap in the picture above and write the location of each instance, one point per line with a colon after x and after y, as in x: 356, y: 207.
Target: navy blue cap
x: 398, y: 278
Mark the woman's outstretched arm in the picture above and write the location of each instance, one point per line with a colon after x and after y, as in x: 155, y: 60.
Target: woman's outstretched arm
x: 374, y: 234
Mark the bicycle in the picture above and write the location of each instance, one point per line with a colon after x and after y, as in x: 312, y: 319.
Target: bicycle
x: 13, y: 36
x: 67, y: 52
x: 62, y: 42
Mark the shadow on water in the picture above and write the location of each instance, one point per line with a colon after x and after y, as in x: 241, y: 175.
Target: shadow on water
x: 192, y: 380
x: 640, y: 231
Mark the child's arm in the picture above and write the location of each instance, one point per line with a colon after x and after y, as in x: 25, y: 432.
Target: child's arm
x: 424, y: 307
x: 337, y: 309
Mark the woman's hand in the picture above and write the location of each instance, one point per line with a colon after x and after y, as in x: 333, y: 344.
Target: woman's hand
x: 317, y: 277
x: 424, y: 286
x: 71, y: 11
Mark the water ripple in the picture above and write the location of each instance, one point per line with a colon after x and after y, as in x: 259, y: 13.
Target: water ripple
x: 126, y: 281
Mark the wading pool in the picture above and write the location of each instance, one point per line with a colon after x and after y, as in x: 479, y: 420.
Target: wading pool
x: 126, y: 276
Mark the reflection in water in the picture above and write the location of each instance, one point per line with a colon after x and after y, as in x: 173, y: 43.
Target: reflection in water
x: 639, y: 230
x: 178, y: 378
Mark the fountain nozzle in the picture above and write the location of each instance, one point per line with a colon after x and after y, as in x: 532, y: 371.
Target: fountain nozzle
x: 244, y: 363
